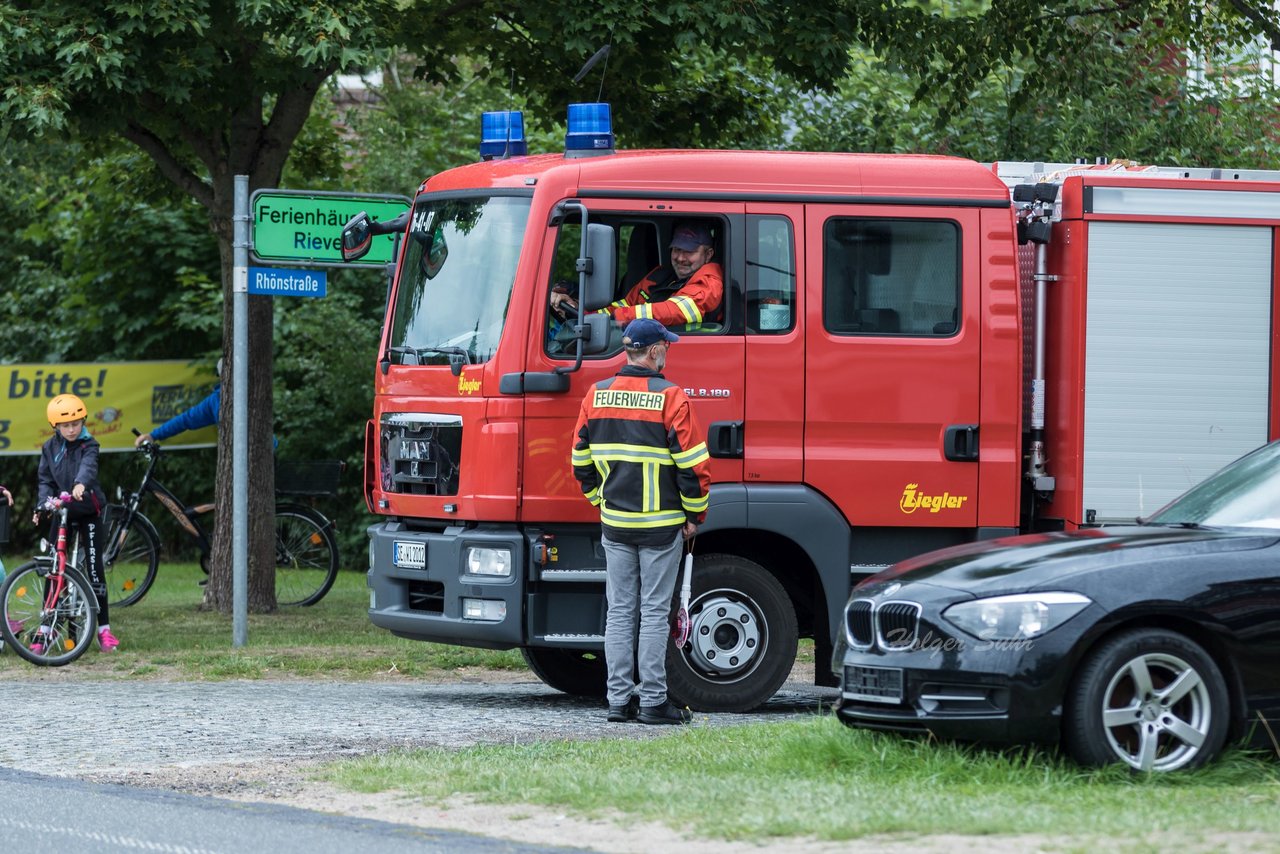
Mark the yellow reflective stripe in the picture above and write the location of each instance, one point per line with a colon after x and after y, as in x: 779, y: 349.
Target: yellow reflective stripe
x: 690, y: 458
x: 648, y: 487
x: 644, y: 312
x: 581, y: 457
x: 630, y: 519
x: 619, y: 453
x: 688, y: 308
x: 593, y: 496
x: 695, y: 505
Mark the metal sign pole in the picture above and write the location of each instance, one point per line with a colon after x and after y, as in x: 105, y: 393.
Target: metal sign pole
x: 240, y: 417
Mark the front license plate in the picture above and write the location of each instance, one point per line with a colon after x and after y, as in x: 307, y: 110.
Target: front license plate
x: 873, y: 684
x: 409, y: 555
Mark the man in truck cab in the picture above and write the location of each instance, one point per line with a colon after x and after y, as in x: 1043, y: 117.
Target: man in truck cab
x: 684, y: 297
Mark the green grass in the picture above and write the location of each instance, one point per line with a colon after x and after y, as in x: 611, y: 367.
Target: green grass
x: 816, y: 778
x: 168, y: 635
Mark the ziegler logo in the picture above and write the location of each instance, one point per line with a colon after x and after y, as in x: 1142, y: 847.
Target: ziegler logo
x: 913, y: 500
x: 466, y: 386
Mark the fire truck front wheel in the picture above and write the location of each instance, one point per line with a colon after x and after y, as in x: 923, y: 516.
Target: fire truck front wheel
x: 571, y: 671
x: 743, y: 637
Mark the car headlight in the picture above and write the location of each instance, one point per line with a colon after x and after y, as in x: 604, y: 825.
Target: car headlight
x: 487, y: 561
x: 1018, y: 616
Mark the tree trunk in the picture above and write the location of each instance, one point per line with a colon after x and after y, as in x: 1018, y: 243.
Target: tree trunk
x: 261, y: 480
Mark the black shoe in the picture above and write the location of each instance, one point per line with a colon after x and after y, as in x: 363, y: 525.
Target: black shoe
x: 622, y: 714
x: 664, y: 714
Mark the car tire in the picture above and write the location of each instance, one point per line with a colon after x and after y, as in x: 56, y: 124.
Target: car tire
x: 743, y: 641
x: 1149, y: 698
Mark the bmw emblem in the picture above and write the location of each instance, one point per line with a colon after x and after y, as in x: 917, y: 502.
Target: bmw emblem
x: 891, y: 589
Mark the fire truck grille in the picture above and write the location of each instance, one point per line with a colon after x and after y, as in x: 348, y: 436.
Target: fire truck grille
x: 858, y: 618
x: 426, y: 596
x: 420, y: 454
x: 898, y: 624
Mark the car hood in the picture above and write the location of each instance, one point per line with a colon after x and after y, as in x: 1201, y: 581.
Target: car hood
x: 1030, y: 561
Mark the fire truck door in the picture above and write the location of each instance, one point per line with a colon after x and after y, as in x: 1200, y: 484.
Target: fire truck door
x: 775, y: 375
x: 892, y: 363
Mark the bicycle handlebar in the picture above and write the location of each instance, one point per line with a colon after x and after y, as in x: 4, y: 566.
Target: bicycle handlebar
x: 150, y: 449
x: 53, y: 504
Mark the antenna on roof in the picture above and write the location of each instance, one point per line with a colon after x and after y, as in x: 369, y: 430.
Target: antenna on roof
x: 602, y: 53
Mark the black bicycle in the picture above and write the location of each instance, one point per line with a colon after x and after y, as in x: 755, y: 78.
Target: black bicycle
x: 306, y: 552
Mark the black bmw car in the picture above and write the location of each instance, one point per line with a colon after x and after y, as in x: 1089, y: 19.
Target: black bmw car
x: 1151, y: 644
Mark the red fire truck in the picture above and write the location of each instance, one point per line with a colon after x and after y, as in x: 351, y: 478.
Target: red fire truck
x: 915, y: 351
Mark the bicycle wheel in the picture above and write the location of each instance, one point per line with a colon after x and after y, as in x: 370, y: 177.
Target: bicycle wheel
x: 131, y: 555
x: 306, y: 555
x: 50, y: 637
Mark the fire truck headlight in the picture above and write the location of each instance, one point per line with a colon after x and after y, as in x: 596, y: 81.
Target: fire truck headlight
x: 489, y: 561
x: 488, y: 610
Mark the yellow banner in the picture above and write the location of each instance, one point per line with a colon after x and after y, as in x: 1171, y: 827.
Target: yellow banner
x: 118, y: 396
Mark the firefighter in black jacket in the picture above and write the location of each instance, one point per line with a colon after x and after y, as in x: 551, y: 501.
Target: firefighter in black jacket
x: 640, y: 456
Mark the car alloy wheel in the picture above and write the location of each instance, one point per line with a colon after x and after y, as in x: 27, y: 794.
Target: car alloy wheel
x: 1151, y: 699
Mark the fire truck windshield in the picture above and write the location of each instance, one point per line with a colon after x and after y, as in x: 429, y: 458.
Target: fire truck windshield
x: 456, y: 278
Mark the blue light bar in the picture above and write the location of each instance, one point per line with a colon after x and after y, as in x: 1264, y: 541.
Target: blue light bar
x: 502, y: 135
x: 590, y: 130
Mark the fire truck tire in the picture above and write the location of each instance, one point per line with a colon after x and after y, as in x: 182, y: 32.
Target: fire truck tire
x: 572, y: 671
x: 743, y: 639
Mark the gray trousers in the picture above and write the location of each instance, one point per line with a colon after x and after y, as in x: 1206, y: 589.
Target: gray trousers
x: 641, y: 582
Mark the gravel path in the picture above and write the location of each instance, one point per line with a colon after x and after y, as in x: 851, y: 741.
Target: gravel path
x: 150, y: 724
x: 257, y: 741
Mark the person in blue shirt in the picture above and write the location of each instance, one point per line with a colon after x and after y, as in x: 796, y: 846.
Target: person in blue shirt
x: 203, y: 414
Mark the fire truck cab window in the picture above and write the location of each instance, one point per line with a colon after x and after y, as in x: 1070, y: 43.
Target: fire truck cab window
x: 641, y: 247
x: 771, y: 275
x: 891, y: 277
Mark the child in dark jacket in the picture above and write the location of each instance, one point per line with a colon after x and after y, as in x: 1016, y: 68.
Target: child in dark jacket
x: 69, y: 463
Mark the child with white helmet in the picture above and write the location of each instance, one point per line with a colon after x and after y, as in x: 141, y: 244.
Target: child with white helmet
x: 69, y: 463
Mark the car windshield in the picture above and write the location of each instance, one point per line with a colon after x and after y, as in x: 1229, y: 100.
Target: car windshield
x: 456, y: 278
x: 1245, y: 494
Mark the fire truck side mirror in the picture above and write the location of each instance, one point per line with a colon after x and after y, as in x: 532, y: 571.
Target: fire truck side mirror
x: 356, y: 237
x: 598, y: 267
x: 597, y: 328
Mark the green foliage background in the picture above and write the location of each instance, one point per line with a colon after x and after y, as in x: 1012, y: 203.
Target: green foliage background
x: 105, y: 260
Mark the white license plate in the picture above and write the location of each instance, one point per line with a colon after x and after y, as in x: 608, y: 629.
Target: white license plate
x: 873, y: 684
x: 409, y: 555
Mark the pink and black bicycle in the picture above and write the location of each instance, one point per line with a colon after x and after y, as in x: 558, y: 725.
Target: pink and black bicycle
x: 50, y: 615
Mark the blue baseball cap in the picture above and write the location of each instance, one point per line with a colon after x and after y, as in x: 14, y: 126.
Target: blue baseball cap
x: 690, y: 235
x: 644, y: 332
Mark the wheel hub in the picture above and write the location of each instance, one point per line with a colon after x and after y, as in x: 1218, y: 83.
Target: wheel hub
x: 725, y: 637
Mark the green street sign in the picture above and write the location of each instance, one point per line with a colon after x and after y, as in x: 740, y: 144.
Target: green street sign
x: 305, y: 226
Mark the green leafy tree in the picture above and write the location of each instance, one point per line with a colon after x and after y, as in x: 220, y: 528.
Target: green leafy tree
x: 951, y: 48
x: 1124, y: 94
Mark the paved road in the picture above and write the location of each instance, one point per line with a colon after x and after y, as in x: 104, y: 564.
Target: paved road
x: 139, y: 725
x: 55, y: 814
